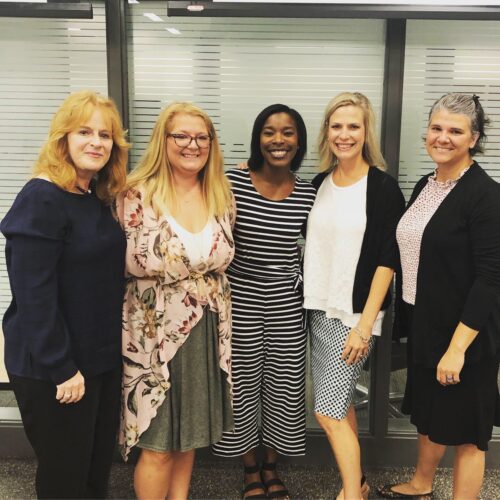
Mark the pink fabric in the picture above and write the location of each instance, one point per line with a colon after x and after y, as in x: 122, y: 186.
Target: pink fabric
x: 164, y: 299
x: 411, y: 228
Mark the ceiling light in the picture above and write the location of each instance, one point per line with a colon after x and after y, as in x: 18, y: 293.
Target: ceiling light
x: 195, y: 7
x: 73, y: 29
x: 132, y: 1
x: 174, y: 31
x: 153, y: 17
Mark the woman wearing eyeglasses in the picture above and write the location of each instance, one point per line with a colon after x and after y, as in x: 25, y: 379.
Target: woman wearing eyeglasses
x: 177, y: 214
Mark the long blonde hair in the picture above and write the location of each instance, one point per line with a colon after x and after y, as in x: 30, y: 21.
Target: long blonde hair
x: 154, y: 172
x: 54, y: 159
x: 371, y: 149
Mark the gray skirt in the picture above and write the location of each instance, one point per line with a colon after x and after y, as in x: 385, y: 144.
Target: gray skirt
x: 197, y: 407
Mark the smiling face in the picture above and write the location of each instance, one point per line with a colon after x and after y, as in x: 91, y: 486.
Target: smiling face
x: 449, y: 138
x: 90, y: 145
x: 346, y: 133
x: 191, y: 159
x: 279, y: 140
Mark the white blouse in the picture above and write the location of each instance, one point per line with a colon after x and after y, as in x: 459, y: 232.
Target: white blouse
x: 197, y: 245
x: 411, y: 229
x: 335, y: 231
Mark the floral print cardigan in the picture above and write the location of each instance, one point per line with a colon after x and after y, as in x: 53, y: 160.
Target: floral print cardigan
x: 164, y: 299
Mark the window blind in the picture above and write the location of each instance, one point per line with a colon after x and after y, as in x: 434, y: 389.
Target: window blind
x: 42, y: 61
x: 442, y: 57
x: 234, y: 67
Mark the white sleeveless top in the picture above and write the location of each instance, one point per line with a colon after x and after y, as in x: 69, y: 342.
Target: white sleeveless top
x: 335, y: 231
x: 197, y: 245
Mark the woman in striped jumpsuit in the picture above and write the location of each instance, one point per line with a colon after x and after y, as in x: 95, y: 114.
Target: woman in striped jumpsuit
x: 269, y: 338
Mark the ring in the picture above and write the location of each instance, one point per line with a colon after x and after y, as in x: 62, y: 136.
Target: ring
x: 449, y: 378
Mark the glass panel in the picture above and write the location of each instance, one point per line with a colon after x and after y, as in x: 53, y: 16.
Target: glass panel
x: 439, y: 61
x: 7, y: 399
x: 234, y: 67
x: 42, y: 61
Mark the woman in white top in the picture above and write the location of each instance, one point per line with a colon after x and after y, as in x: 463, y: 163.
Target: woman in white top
x: 350, y: 258
x: 177, y: 213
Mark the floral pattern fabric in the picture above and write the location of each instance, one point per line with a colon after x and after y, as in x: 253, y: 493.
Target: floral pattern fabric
x: 164, y: 299
x: 412, y: 224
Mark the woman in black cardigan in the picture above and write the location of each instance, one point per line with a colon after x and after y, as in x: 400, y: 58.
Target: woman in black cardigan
x: 449, y: 239
x: 349, y: 262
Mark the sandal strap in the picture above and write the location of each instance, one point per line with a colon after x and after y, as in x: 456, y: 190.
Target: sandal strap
x: 259, y: 496
x: 268, y: 465
x: 255, y: 486
x: 275, y: 481
x: 278, y: 494
x: 251, y: 469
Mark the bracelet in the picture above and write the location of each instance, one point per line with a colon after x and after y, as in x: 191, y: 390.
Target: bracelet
x: 358, y: 330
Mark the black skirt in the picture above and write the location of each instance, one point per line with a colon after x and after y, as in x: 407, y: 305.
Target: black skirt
x: 464, y: 413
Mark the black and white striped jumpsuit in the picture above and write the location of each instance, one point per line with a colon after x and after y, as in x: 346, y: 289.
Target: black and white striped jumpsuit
x: 269, y: 338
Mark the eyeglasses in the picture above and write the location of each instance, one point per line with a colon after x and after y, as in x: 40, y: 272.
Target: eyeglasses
x: 183, y: 140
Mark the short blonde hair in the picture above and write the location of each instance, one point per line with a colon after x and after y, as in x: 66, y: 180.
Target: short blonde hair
x: 154, y: 172
x: 371, y: 149
x: 54, y: 159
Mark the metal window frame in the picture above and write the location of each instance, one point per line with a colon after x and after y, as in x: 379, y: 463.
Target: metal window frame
x: 51, y: 9
x: 345, y: 10
x: 392, y: 110
x: 116, y: 50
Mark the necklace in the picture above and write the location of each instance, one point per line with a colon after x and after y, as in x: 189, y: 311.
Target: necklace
x: 83, y: 191
x: 450, y: 181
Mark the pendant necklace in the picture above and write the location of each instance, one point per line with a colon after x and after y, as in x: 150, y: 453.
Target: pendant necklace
x: 83, y: 191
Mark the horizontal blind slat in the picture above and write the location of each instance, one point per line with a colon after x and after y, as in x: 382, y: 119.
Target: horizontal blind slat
x: 45, y: 62
x: 234, y: 67
x: 438, y: 62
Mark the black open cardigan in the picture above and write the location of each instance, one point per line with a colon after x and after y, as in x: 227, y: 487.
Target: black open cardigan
x: 458, y: 273
x: 384, y: 206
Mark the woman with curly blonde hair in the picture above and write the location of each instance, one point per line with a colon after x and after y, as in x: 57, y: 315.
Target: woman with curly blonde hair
x: 178, y: 215
x: 65, y: 258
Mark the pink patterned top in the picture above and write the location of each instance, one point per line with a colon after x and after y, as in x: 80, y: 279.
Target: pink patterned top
x: 164, y: 299
x: 411, y: 228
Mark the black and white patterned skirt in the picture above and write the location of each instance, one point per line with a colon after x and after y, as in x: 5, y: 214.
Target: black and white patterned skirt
x: 334, y: 381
